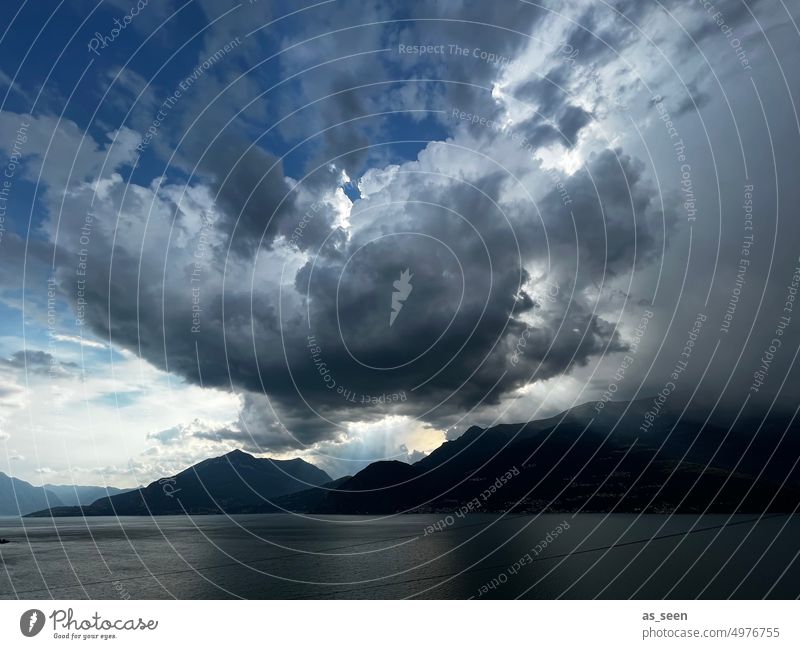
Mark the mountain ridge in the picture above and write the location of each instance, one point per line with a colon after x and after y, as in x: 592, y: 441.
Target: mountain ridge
x: 235, y: 482
x: 18, y: 497
x: 75, y: 495
x: 587, y: 458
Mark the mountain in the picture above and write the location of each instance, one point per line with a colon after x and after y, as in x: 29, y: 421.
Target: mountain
x: 18, y: 497
x: 585, y: 460
x: 81, y: 495
x: 639, y: 456
x: 233, y: 483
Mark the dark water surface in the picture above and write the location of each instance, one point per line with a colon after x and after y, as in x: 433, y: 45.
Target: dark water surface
x: 487, y: 556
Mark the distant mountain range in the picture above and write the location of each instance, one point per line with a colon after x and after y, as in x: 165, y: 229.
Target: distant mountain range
x: 627, y: 457
x: 80, y: 495
x: 235, y: 483
x: 18, y: 497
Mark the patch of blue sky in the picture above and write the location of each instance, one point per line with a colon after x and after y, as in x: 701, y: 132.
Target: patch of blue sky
x: 119, y: 399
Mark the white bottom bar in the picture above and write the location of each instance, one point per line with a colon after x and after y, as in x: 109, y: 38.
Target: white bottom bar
x: 390, y: 624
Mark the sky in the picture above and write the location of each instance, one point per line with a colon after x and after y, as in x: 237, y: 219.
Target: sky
x: 348, y: 231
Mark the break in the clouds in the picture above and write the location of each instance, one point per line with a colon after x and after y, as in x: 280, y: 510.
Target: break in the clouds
x: 366, y: 226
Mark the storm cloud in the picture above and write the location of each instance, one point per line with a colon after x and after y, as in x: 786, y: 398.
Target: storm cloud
x: 342, y: 231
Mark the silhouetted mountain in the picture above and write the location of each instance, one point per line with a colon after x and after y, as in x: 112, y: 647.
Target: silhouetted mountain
x: 81, y: 495
x: 18, y: 497
x: 626, y: 457
x: 234, y: 483
x: 585, y: 460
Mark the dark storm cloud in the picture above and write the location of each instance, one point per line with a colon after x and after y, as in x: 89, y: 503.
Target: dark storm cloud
x: 265, y: 424
x: 445, y: 353
x: 556, y: 119
x: 615, y: 212
x: 458, y: 342
x: 540, y: 132
x: 349, y: 295
x: 571, y: 120
x: 559, y: 122
x: 547, y: 91
x: 252, y: 191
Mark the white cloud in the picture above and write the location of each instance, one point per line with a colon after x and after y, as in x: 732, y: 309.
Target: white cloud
x: 78, y: 340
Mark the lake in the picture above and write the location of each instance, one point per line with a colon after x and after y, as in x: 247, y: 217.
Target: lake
x: 428, y: 556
